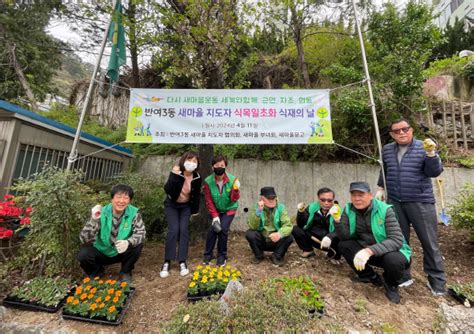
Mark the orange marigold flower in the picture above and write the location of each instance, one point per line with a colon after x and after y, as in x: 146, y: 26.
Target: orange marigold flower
x: 107, y: 281
x: 112, y: 309
x: 69, y: 299
x: 90, y: 296
x: 101, y: 282
x: 86, y: 280
x: 93, y: 306
x: 101, y: 305
x: 123, y: 284
x: 96, y: 278
x: 78, y: 290
x: 107, y: 298
x: 87, y: 288
x: 98, y: 299
x: 83, y: 296
x: 111, y: 291
x: 93, y: 290
x: 75, y: 302
x: 113, y: 282
x: 118, y: 293
x: 115, y: 299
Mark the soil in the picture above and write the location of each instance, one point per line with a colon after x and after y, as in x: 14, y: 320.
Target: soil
x: 349, y: 305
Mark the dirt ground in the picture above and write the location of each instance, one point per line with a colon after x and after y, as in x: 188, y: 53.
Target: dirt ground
x: 349, y: 306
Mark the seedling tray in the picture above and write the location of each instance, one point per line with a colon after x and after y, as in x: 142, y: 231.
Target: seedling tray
x: 458, y: 297
x: 11, y: 301
x: 103, y: 321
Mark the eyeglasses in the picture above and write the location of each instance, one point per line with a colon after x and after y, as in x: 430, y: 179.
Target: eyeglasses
x: 404, y: 130
x: 326, y: 200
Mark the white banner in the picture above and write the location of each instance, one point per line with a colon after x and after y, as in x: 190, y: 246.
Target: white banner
x: 225, y: 116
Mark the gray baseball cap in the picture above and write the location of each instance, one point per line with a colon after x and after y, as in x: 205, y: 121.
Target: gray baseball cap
x: 359, y: 186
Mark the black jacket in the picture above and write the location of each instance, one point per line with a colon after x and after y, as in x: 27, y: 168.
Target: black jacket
x: 174, y: 185
x: 320, y: 226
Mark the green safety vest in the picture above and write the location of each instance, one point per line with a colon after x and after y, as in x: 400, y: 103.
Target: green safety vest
x: 377, y: 223
x: 222, y: 201
x: 313, y: 208
x: 276, y: 217
x: 102, y: 242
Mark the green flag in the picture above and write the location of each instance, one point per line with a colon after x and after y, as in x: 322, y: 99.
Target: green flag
x: 118, y: 56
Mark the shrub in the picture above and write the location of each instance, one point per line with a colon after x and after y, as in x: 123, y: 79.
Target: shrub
x: 266, y: 307
x: 462, y: 213
x: 61, y: 204
x: 149, y: 199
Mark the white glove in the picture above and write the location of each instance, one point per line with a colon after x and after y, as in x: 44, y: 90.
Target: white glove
x: 430, y: 147
x: 121, y: 246
x: 301, y: 206
x: 216, y: 225
x: 361, y: 259
x: 95, y: 212
x: 326, y: 243
x: 335, y: 212
x: 380, y: 194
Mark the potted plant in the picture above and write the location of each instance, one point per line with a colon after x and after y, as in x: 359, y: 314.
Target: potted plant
x: 464, y: 293
x: 98, y: 301
x: 210, y: 280
x: 40, y: 293
x: 304, y: 287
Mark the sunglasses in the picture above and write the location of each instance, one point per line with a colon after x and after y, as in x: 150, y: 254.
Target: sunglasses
x: 326, y: 200
x: 404, y: 130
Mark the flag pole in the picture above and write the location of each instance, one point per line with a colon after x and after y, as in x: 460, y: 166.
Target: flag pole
x: 73, y: 154
x: 371, y: 96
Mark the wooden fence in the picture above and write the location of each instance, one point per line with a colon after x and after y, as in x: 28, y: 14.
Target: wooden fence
x: 455, y: 122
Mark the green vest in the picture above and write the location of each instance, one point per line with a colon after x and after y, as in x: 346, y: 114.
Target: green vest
x: 377, y: 224
x: 276, y: 217
x: 313, y: 208
x: 222, y: 201
x: 102, y: 242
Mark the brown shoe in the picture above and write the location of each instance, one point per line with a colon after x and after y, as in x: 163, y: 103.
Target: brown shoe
x: 307, y: 255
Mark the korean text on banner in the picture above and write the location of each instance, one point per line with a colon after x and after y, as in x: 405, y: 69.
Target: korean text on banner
x: 221, y: 116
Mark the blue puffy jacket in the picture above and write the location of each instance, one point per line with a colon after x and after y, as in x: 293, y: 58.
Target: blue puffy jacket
x: 410, y: 181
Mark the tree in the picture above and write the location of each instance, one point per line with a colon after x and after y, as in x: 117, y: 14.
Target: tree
x: 28, y: 56
x: 453, y: 40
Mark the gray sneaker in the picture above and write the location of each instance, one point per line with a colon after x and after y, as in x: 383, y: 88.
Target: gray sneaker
x: 126, y: 277
x: 437, y: 291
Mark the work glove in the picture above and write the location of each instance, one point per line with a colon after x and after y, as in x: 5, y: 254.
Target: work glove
x: 335, y: 212
x: 121, y: 246
x: 380, y: 194
x: 301, y: 206
x: 95, y: 212
x: 216, y: 225
x: 430, y: 147
x: 326, y: 243
x: 236, y: 184
x: 361, y: 259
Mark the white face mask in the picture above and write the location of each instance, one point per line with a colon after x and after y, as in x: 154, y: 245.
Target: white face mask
x: 190, y: 166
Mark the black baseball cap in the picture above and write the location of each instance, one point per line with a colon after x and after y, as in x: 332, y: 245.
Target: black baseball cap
x: 268, y: 192
x: 359, y: 186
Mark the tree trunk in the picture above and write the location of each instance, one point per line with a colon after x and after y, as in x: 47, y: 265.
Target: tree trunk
x: 297, y: 32
x: 22, y: 78
x: 133, y: 44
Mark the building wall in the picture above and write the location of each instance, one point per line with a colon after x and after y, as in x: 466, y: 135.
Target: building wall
x: 449, y: 10
x: 9, y: 131
x: 297, y: 182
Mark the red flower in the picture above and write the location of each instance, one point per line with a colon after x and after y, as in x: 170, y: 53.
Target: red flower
x: 28, y: 210
x: 7, y: 197
x: 25, y: 221
x: 5, y: 233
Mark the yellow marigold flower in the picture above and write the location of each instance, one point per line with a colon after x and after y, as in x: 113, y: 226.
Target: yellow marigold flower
x: 204, y: 280
x: 107, y: 298
x: 211, y: 280
x: 90, y: 296
x: 238, y: 273
x: 123, y: 284
x: 93, y: 290
x: 93, y: 306
x: 227, y: 273
x: 205, y: 271
x: 101, y: 305
x: 195, y: 278
x: 116, y: 299
x: 83, y: 296
x: 75, y: 302
x: 199, y: 267
x: 226, y: 280
x: 112, y: 309
x: 192, y: 284
x: 234, y: 277
x: 232, y: 271
x: 98, y: 299
x: 69, y: 299
x: 111, y: 291
x: 227, y: 266
x: 86, y: 280
x: 211, y: 275
x: 118, y: 293
x: 96, y: 278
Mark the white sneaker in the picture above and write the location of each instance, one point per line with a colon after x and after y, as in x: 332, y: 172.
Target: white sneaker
x: 183, y: 269
x: 406, y: 284
x: 165, y: 270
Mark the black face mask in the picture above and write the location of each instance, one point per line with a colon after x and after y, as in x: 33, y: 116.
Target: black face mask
x: 219, y: 171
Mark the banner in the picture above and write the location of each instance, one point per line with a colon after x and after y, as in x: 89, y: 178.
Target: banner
x: 227, y: 116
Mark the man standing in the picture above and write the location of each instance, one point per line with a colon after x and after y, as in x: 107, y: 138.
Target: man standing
x: 370, y: 235
x: 113, y: 234
x: 269, y: 228
x: 315, y: 221
x: 409, y: 166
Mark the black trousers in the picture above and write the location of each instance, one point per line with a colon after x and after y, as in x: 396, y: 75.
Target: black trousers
x: 304, y: 241
x: 258, y: 243
x: 93, y: 261
x: 221, y: 238
x: 177, y: 216
x: 393, y: 263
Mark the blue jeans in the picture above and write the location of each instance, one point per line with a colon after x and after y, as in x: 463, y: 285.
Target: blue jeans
x: 221, y: 238
x: 177, y: 216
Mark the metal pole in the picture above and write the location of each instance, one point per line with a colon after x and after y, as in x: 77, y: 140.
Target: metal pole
x: 73, y: 154
x: 371, y: 97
